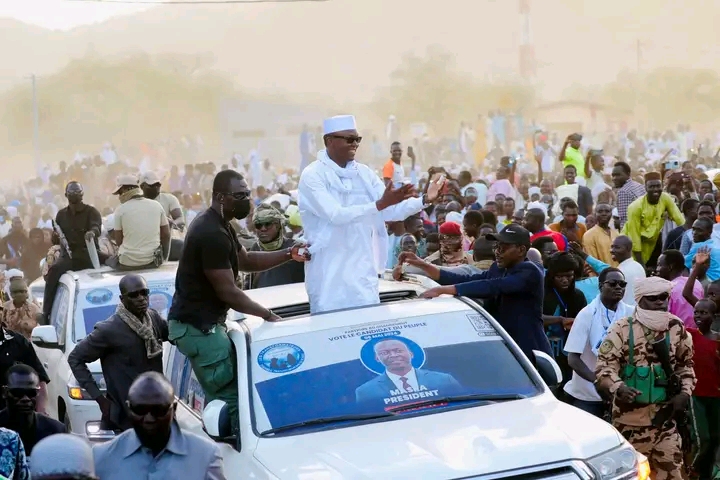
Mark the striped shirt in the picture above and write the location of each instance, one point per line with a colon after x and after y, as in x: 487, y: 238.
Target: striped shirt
x: 627, y: 194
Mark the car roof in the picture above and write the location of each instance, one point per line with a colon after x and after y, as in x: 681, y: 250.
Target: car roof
x: 399, y: 300
x: 105, y: 277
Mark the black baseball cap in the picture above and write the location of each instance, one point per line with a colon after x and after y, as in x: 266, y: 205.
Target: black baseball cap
x: 512, y: 234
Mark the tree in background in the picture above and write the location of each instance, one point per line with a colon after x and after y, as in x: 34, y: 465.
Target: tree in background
x: 432, y: 89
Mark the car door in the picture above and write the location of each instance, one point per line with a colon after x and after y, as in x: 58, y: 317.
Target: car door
x: 55, y: 360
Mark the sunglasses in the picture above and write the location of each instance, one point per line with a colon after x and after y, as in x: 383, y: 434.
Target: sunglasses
x: 350, y: 139
x: 616, y: 283
x: 156, y: 411
x: 660, y: 297
x: 237, y: 195
x: 138, y: 293
x: 20, y: 393
x: 260, y: 226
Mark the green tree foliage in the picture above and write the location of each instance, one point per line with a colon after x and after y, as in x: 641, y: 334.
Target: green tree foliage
x: 432, y: 89
x: 134, y: 99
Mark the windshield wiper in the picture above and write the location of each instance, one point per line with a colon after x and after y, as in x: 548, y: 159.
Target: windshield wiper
x: 320, y: 421
x: 487, y: 397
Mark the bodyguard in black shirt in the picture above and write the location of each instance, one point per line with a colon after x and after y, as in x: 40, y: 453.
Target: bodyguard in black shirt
x: 21, y: 391
x: 78, y: 222
x: 14, y: 349
x: 206, y: 288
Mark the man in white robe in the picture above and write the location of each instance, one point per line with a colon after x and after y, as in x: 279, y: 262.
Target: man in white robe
x: 344, y: 206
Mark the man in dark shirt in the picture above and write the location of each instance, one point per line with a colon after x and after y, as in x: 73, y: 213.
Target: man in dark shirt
x: 14, y: 348
x: 269, y: 225
x: 127, y: 344
x: 206, y: 288
x: 13, y: 245
x: 512, y: 288
x: 21, y: 391
x: 78, y: 222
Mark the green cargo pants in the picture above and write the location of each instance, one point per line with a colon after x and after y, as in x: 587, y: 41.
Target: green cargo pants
x: 213, y: 362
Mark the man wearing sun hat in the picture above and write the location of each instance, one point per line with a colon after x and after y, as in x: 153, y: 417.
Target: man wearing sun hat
x: 344, y: 206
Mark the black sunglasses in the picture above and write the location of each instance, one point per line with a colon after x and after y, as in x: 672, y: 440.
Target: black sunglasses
x: 156, y: 411
x: 138, y: 293
x: 654, y: 298
x: 349, y: 139
x: 616, y: 283
x: 236, y: 195
x: 260, y: 225
x: 20, y: 393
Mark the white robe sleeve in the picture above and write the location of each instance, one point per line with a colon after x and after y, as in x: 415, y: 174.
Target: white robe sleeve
x: 399, y: 212
x: 315, y: 197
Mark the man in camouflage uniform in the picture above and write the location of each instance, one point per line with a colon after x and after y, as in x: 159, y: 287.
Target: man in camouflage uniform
x: 651, y: 322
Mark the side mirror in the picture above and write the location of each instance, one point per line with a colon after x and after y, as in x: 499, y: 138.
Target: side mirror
x: 548, y: 368
x: 217, y: 422
x: 45, y: 336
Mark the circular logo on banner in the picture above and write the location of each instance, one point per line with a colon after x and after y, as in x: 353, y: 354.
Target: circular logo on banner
x: 281, y: 358
x: 393, y: 349
x: 160, y: 302
x: 98, y: 296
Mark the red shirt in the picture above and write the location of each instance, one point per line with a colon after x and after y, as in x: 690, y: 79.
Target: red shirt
x: 707, y: 365
x: 559, y: 238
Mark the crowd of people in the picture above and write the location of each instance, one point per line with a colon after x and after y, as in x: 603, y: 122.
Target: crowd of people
x: 608, y: 260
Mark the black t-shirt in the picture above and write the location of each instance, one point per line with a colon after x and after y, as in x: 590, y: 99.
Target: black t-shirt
x: 14, y: 348
x: 42, y: 427
x: 210, y: 244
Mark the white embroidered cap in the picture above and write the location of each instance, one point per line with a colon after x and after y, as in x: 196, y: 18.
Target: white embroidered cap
x: 339, y: 123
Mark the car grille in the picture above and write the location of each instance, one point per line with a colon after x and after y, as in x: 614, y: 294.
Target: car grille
x: 574, y: 470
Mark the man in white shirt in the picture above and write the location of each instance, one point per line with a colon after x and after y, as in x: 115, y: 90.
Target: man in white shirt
x: 344, y: 207
x: 393, y: 171
x: 587, y: 333
x: 621, y: 251
x: 141, y: 228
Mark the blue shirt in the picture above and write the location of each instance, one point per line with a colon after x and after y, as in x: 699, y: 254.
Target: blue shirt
x: 186, y: 456
x: 514, y: 296
x: 713, y: 272
x: 13, y: 462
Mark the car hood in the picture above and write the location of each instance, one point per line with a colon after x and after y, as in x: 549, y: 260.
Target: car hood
x: 454, y: 444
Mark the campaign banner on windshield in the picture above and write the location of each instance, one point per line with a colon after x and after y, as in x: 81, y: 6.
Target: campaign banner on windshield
x: 382, y: 367
x: 99, y: 304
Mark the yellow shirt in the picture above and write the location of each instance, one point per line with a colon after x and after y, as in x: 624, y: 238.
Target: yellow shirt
x: 597, y: 241
x: 575, y: 158
x: 645, y: 222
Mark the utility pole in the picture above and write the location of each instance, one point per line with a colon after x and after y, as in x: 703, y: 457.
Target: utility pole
x: 36, y: 125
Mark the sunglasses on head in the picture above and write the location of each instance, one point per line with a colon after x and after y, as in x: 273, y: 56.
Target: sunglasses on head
x: 156, y: 411
x: 138, y: 293
x: 616, y: 283
x: 349, y: 139
x: 659, y: 297
x: 20, y: 393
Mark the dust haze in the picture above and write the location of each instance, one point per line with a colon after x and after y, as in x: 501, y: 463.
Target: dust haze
x: 177, y: 70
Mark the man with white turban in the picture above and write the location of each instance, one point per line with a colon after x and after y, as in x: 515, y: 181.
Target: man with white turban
x: 344, y: 206
x: 629, y: 366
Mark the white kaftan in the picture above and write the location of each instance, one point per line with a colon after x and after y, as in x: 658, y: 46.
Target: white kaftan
x: 346, y: 232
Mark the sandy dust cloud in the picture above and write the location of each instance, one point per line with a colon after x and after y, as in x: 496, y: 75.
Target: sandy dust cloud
x: 185, y: 70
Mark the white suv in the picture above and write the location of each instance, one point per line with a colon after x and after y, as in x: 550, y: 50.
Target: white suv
x: 83, y: 299
x: 406, y: 389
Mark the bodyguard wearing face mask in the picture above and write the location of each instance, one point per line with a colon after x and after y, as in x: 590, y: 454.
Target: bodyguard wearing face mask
x: 206, y: 288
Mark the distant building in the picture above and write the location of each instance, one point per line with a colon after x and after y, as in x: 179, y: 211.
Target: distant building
x: 589, y: 118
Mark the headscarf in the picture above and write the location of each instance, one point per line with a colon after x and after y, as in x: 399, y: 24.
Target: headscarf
x: 133, y: 192
x: 268, y: 214
x: 652, y: 319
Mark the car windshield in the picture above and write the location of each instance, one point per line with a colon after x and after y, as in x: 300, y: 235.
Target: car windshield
x: 97, y: 304
x: 391, y: 367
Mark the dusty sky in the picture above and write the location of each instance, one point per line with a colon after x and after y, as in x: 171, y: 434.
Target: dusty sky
x: 63, y: 14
